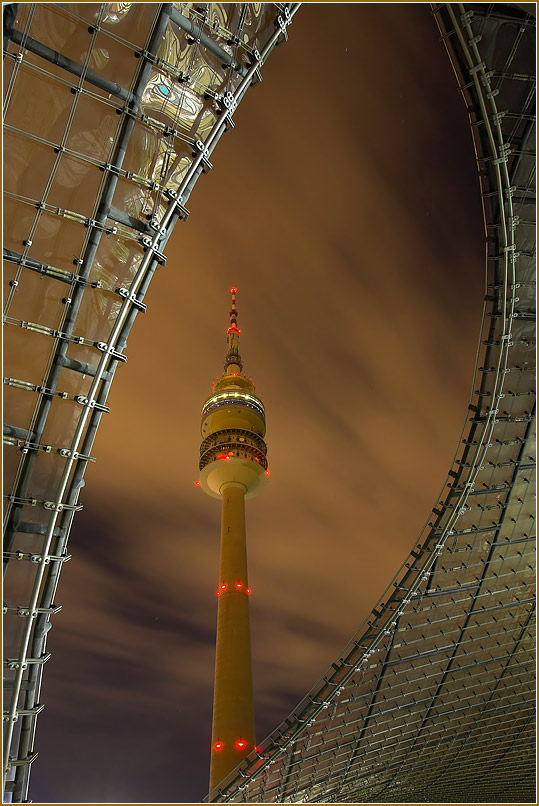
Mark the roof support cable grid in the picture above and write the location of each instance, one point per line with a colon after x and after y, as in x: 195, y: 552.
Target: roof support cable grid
x: 19, y: 38
x: 107, y: 192
x: 25, y: 674
x: 94, y: 235
x: 24, y: 478
x: 482, y: 712
x: 485, y: 707
x: 70, y: 65
x: 10, y: 13
x: 470, y: 613
x: 351, y: 761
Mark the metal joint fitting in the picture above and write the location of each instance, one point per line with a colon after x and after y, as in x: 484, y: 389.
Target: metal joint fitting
x: 38, y: 558
x: 160, y: 257
x: 53, y: 505
x: 184, y: 212
x: 26, y: 613
x: 137, y: 303
x: 230, y: 102
x: 476, y: 68
x: 282, y: 25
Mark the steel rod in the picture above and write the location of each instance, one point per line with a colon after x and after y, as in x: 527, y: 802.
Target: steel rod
x: 70, y: 65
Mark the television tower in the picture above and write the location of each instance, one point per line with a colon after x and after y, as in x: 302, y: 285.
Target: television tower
x: 233, y: 467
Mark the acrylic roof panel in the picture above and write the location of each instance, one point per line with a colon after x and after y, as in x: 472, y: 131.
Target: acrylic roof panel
x: 111, y: 114
x: 434, y: 697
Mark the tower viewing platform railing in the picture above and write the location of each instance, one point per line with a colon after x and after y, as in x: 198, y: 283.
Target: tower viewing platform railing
x: 233, y: 398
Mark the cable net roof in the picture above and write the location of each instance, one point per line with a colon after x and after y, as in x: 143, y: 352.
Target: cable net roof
x: 112, y: 111
x: 434, y: 697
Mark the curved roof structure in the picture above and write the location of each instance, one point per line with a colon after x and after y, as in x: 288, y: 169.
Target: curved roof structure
x: 434, y: 697
x: 112, y: 112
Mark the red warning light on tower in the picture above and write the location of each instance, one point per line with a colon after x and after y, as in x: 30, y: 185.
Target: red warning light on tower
x: 240, y: 744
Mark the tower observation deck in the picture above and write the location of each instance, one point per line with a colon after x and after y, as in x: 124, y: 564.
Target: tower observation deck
x: 233, y: 466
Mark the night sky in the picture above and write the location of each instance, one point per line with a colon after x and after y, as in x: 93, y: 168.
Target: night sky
x: 345, y: 208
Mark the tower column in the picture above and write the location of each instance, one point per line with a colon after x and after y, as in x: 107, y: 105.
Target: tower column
x: 233, y: 730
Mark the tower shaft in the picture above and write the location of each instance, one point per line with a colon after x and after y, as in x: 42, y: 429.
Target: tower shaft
x: 233, y: 730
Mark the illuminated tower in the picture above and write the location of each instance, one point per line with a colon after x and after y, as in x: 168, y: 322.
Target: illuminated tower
x: 233, y: 467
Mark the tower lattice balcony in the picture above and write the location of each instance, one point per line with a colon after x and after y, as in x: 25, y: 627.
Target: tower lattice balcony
x: 233, y: 443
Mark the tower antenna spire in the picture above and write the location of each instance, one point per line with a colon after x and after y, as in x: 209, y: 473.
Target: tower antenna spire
x: 233, y: 362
